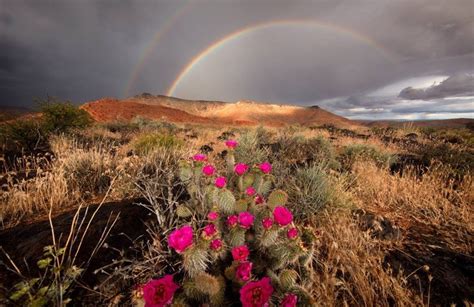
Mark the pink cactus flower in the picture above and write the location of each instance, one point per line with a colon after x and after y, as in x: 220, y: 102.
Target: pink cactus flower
x: 244, y: 271
x: 240, y: 253
x: 159, y: 292
x: 267, y: 223
x: 250, y: 191
x: 290, y: 300
x: 208, y: 170
x: 241, y: 168
x: 232, y: 221
x: 199, y: 157
x: 246, y: 219
x: 220, y: 182
x: 216, y: 244
x: 282, y: 216
x: 181, y: 238
x: 231, y: 143
x: 256, y: 293
x: 292, y: 233
x: 209, y: 231
x: 213, y: 215
x: 259, y: 199
x: 265, y: 167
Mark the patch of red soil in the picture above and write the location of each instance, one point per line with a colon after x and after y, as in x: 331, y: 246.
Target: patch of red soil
x: 109, y: 109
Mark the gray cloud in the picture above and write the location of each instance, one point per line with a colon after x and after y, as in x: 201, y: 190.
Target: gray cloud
x: 84, y: 50
x: 462, y: 84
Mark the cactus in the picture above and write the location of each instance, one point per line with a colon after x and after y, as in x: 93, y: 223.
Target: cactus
x: 236, y: 237
x: 195, y: 261
x: 242, y: 219
x: 183, y: 211
x: 241, y: 205
x: 226, y: 201
x: 288, y: 278
x: 248, y: 180
x: 277, y: 198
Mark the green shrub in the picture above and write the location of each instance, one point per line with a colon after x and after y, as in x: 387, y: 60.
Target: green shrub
x: 22, y: 135
x: 355, y: 152
x: 310, y: 190
x: 61, y: 117
x: 299, y: 150
x: 146, y: 123
x: 147, y: 143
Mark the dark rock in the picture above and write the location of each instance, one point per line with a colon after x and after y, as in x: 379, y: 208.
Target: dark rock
x: 379, y: 227
x: 205, y: 149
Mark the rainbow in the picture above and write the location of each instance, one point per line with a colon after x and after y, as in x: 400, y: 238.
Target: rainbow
x: 148, y: 50
x: 235, y: 35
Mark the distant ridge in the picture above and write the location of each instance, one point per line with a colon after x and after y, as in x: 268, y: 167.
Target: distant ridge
x: 445, y: 123
x: 244, y: 112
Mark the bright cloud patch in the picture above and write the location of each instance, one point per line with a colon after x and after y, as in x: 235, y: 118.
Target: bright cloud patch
x: 431, y: 97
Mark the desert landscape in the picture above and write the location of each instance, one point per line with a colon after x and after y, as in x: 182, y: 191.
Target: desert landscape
x: 93, y: 195
x: 262, y: 153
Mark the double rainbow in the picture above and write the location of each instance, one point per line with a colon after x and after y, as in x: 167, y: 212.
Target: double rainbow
x: 241, y: 32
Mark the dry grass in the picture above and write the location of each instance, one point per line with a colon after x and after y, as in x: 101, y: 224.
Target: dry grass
x: 351, y: 267
x: 430, y: 202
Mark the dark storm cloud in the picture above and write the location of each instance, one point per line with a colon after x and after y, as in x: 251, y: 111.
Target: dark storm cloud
x: 84, y: 50
x: 462, y: 84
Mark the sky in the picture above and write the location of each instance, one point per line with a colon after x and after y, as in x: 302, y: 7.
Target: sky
x: 363, y: 59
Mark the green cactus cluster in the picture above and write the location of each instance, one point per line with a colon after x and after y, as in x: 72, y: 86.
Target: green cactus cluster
x: 237, y: 211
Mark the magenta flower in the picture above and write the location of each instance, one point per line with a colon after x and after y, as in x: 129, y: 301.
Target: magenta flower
x: 282, y: 216
x: 244, y: 271
x: 250, y: 191
x: 216, y: 244
x: 231, y: 143
x: 220, y: 182
x: 181, y: 238
x: 256, y: 293
x: 246, y: 219
x: 213, y: 215
x: 240, y: 253
x: 290, y: 300
x: 209, y: 231
x: 232, y: 220
x: 259, y: 199
x: 267, y: 223
x: 292, y: 233
x: 265, y: 167
x: 241, y: 168
x: 159, y: 292
x: 199, y: 157
x: 208, y: 170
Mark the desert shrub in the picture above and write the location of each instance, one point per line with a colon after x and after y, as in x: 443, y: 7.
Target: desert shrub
x: 19, y: 135
x: 46, y: 190
x: 146, y: 143
x: 363, y: 152
x: 456, y: 136
x: 123, y: 127
x: 459, y: 160
x: 249, y: 150
x: 88, y: 171
x: 146, y: 123
x: 300, y: 151
x: 310, y: 190
x: 58, y: 117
